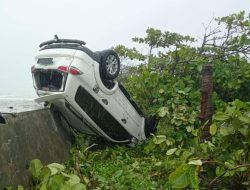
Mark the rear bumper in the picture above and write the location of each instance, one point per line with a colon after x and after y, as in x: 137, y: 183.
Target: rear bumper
x: 50, y: 98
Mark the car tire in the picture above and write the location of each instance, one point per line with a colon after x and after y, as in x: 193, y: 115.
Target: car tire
x: 110, y: 65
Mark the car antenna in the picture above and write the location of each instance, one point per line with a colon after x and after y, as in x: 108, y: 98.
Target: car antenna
x: 56, y: 38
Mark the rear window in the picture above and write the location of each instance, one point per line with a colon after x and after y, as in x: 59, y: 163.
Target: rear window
x: 51, y: 80
x: 101, y: 116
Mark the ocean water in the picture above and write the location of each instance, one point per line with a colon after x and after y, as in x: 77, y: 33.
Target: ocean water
x: 10, y: 104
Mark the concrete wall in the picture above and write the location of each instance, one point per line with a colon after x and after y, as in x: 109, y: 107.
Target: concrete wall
x: 29, y: 135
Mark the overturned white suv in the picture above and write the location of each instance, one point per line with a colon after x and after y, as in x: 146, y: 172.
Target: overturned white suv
x: 80, y: 84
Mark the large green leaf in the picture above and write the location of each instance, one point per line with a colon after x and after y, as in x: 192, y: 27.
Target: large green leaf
x: 159, y: 139
x: 163, y: 111
x: 20, y: 187
x: 171, y: 151
x: 220, y: 116
x: 56, y: 182
x: 239, y: 104
x: 244, y: 119
x: 195, y: 162
x: 73, y: 180
x: 35, y: 167
x: 224, y: 131
x: 219, y: 170
x: 78, y: 186
x: 180, y: 177
x: 55, y: 168
x: 44, y: 175
x: 118, y: 173
x: 194, y: 179
x: 66, y: 187
x: 244, y: 131
x: 213, y: 129
x: 161, y: 91
x: 184, y: 176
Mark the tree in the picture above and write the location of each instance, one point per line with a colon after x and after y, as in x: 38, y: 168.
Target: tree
x: 168, y: 83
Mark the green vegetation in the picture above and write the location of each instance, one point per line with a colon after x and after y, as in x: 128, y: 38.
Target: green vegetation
x: 167, y: 84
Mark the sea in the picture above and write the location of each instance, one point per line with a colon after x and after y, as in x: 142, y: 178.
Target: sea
x: 11, y: 104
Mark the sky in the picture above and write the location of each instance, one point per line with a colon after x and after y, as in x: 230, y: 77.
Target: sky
x: 102, y: 24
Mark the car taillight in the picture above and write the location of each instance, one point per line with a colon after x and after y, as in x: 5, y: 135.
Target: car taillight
x: 75, y: 71
x: 63, y: 69
x: 71, y: 70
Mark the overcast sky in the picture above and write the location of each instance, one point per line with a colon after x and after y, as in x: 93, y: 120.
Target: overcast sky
x: 100, y: 23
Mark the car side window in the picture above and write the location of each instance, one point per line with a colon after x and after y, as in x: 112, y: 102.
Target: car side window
x: 100, y: 115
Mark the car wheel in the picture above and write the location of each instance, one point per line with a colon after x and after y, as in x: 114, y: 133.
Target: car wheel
x: 110, y: 65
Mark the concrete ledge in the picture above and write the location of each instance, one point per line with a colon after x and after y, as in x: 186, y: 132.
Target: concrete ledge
x: 29, y: 135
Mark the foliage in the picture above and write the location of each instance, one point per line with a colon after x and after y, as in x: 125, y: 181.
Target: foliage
x: 169, y: 82
x: 166, y: 83
x: 53, y: 177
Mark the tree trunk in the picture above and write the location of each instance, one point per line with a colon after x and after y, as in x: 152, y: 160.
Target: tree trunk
x: 206, y: 101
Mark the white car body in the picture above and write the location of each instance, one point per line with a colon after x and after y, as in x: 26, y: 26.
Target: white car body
x: 73, y: 98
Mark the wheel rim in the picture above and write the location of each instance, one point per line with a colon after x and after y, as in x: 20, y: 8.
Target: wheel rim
x: 111, y: 64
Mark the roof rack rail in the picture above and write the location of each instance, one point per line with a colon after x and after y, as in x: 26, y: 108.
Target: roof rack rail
x: 57, y: 40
